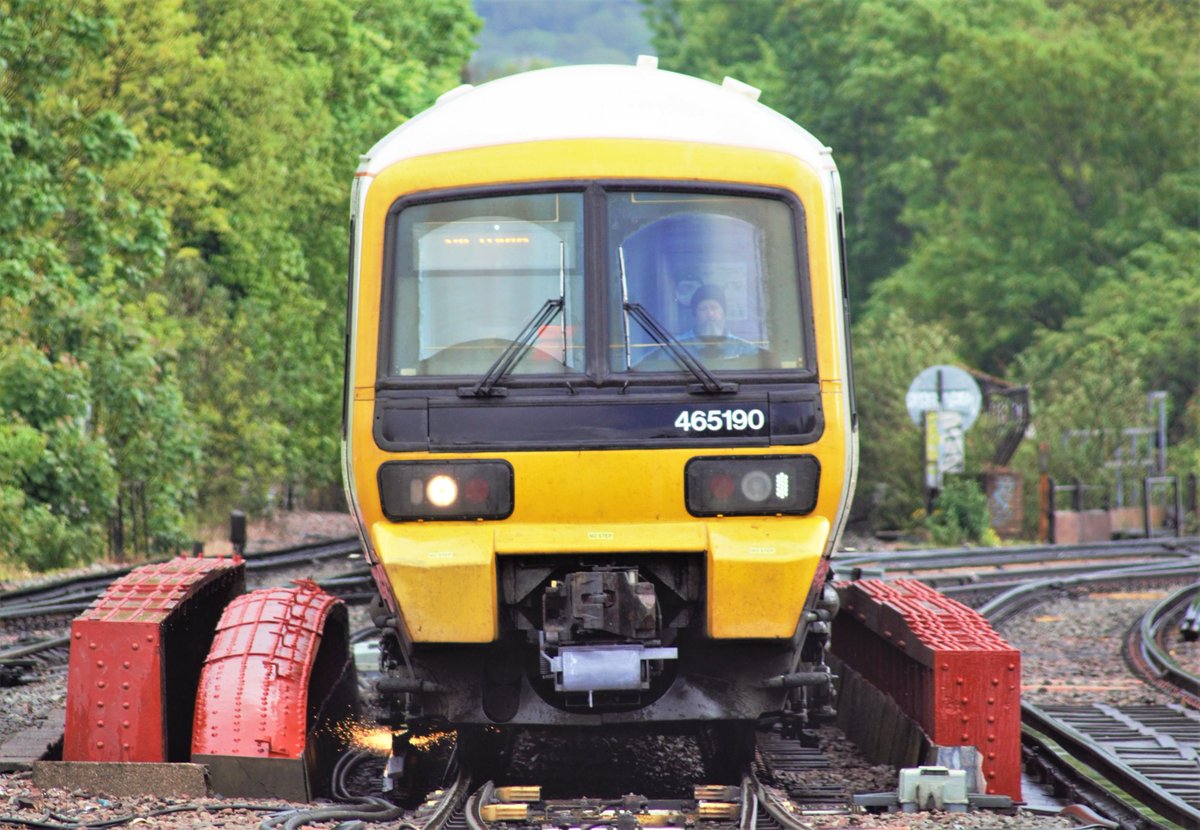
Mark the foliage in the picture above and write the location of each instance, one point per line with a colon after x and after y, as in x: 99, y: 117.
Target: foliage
x: 519, y: 35
x: 1023, y: 174
x: 271, y: 103
x: 1138, y: 333
x: 1021, y: 185
x: 1050, y: 137
x: 960, y: 515
x: 888, y: 354
x: 174, y: 179
x: 82, y: 379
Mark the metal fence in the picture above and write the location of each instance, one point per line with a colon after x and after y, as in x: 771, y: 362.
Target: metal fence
x: 1167, y: 506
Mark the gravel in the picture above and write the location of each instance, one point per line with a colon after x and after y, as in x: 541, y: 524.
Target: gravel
x: 1071, y: 649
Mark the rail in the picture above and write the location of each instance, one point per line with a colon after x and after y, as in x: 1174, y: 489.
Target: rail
x: 55, y: 603
x: 1144, y: 798
x: 1149, y: 657
x: 1133, y: 786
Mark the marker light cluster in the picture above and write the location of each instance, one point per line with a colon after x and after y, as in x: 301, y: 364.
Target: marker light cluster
x: 751, y: 485
x: 413, y: 490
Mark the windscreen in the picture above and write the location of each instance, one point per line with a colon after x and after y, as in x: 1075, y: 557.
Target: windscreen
x: 472, y: 274
x: 719, y: 273
x: 496, y: 285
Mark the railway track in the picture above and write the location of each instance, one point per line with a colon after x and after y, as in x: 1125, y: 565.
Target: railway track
x: 973, y: 576
x: 39, y: 654
x: 775, y: 797
x: 1147, y: 653
x: 1138, y: 765
x: 750, y: 806
x: 464, y: 804
x: 52, y: 606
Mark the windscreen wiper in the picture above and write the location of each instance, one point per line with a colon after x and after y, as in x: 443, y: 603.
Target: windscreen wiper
x: 664, y: 338
x: 513, y: 352
x: 677, y: 350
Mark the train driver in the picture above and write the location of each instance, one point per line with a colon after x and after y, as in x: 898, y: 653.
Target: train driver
x: 708, y: 337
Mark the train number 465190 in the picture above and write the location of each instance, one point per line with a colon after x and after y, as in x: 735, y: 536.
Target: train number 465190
x: 721, y: 420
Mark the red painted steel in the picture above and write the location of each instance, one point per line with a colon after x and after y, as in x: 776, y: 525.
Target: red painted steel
x: 944, y: 665
x: 116, y: 687
x: 253, y: 697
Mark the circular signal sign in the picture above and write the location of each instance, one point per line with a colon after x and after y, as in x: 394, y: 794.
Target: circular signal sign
x: 944, y: 389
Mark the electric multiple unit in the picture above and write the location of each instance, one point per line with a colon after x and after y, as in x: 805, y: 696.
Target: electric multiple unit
x: 599, y: 434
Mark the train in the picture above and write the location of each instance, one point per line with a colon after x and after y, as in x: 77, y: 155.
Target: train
x: 599, y: 434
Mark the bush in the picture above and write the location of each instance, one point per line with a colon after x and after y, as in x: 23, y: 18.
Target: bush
x: 889, y: 351
x: 960, y: 514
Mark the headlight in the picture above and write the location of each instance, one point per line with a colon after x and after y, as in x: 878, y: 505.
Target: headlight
x: 756, y: 485
x: 460, y: 489
x: 442, y: 490
x: 751, y: 485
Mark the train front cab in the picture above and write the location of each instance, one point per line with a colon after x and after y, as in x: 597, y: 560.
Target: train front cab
x: 570, y: 521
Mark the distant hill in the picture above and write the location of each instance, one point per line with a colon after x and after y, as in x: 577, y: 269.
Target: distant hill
x: 528, y: 34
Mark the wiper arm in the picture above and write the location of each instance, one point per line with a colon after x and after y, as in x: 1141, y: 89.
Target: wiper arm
x: 513, y: 352
x: 679, y: 351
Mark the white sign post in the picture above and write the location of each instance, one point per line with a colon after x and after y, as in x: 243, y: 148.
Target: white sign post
x: 945, y: 400
x: 952, y: 455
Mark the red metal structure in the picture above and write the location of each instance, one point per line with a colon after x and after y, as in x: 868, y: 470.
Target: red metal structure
x: 136, y: 657
x: 271, y: 676
x: 174, y: 663
x: 943, y: 664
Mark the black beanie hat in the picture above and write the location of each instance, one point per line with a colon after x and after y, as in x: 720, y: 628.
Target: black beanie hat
x: 708, y: 291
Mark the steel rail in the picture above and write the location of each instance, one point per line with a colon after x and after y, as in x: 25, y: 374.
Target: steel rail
x: 67, y: 598
x: 950, y: 581
x: 94, y: 584
x: 759, y: 809
x: 965, y: 557
x: 24, y: 650
x: 471, y: 810
x: 1167, y: 811
x: 748, y: 814
x: 312, y: 552
x: 447, y: 805
x: 1057, y: 737
x: 1021, y: 597
x: 1147, y: 655
x: 771, y: 805
x: 47, y: 614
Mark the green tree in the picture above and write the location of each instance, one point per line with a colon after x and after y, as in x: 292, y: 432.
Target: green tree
x: 1137, y: 333
x: 82, y: 379
x: 172, y: 245
x: 960, y: 514
x: 249, y: 119
x: 1050, y: 136
x: 889, y: 353
x: 303, y: 89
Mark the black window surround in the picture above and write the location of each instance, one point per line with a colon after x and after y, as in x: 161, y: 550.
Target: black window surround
x: 597, y: 267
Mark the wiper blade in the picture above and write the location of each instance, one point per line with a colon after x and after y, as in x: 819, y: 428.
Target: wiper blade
x: 513, y: 352
x: 679, y: 351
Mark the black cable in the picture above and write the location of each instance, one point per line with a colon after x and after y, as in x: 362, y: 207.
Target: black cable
x: 357, y: 809
x: 367, y: 809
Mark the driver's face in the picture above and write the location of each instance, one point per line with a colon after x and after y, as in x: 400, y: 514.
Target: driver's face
x: 710, y: 319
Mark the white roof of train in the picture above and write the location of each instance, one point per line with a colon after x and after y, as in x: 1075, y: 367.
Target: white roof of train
x: 627, y: 102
